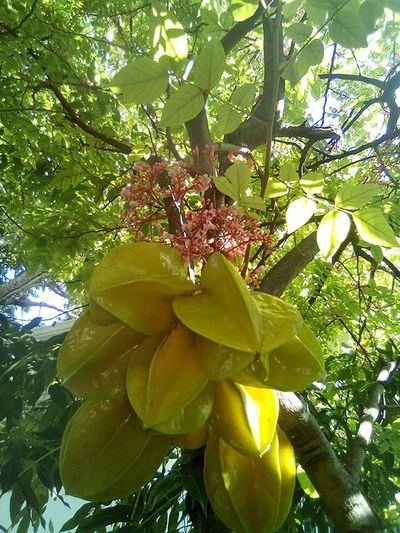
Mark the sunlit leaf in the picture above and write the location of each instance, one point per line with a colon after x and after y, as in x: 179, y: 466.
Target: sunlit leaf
x: 209, y: 66
x: 184, y: 104
x: 332, y: 231
x: 141, y: 81
x: 355, y: 196
x: 374, y: 228
x: 299, y: 213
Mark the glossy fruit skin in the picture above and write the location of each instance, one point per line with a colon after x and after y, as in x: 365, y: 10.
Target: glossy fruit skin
x: 223, y: 294
x: 162, y: 361
x: 245, y: 417
x: 136, y: 284
x: 93, y: 359
x: 106, y: 453
x: 250, y: 495
x: 166, y: 384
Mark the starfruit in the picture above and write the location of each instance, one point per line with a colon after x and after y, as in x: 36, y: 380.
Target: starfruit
x: 250, y: 495
x: 245, y: 417
x: 93, y: 359
x: 219, y: 361
x: 195, y: 439
x: 166, y: 384
x: 136, y: 283
x: 224, y: 311
x: 297, y: 363
x: 243, y: 491
x: 106, y: 453
x: 287, y: 463
x: 280, y: 320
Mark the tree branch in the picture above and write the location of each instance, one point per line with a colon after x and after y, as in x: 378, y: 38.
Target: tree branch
x: 354, y: 77
x: 72, y: 116
x: 358, y: 448
x: 14, y: 289
x: 241, y: 29
x: 280, y: 275
x: 343, y: 502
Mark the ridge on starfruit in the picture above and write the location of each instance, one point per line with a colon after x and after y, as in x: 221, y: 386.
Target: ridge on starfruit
x: 93, y: 359
x: 106, y: 453
x: 136, y: 283
x: 224, y: 311
x: 245, y: 417
x: 250, y: 495
x: 166, y: 385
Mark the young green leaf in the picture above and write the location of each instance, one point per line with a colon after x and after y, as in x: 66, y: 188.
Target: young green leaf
x: 183, y: 105
x: 355, y: 196
x: 169, y: 38
x: 288, y: 172
x: 244, y: 95
x: 275, y: 188
x: 243, y: 9
x: 236, y: 180
x: 299, y: 32
x: 209, y: 66
x: 140, y: 82
x: 306, y: 484
x: 312, y: 54
x: 312, y: 182
x: 254, y: 202
x: 347, y: 28
x: 374, y: 228
x: 228, y: 118
x: 299, y: 212
x: 332, y: 231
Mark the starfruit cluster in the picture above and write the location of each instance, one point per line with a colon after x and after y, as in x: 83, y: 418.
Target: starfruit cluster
x: 162, y: 361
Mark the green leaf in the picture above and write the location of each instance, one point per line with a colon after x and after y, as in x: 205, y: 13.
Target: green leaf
x: 312, y: 54
x: 355, y: 196
x: 236, y: 180
x: 299, y: 32
x: 370, y: 12
x: 293, y: 70
x: 209, y: 66
x: 169, y: 38
x: 228, y: 118
x: 243, y: 9
x: 140, y: 82
x: 244, y: 95
x: 312, y: 182
x: 275, y: 188
x: 184, y: 104
x: 254, y: 202
x: 374, y: 228
x: 299, y: 212
x: 332, y: 231
x: 288, y: 172
x: 306, y: 484
x: 290, y: 9
x: 347, y: 29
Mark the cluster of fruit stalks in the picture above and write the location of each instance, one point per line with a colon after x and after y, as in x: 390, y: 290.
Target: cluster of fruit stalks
x: 175, y: 194
x: 161, y: 361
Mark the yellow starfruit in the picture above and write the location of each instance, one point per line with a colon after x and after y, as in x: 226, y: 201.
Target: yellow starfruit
x: 297, y: 363
x: 287, y: 465
x: 280, y: 320
x: 93, y: 359
x: 244, y: 491
x: 136, y: 283
x: 219, y: 361
x: 106, y: 453
x: 245, y: 417
x: 166, y: 384
x: 195, y: 439
x: 224, y: 311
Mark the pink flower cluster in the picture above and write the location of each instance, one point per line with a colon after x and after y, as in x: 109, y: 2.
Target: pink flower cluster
x: 165, y: 192
x: 217, y: 228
